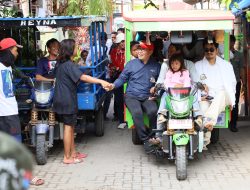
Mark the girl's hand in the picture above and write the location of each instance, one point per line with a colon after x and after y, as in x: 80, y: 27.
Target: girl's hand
x: 152, y: 90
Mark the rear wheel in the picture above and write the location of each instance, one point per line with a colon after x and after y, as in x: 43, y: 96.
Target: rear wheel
x: 99, y: 123
x: 181, y: 162
x: 41, y: 149
x: 215, y: 135
x: 135, y: 138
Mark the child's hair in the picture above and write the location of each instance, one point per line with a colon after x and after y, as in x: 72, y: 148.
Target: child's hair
x: 84, y: 51
x: 177, y: 57
x: 132, y: 43
x: 67, y: 48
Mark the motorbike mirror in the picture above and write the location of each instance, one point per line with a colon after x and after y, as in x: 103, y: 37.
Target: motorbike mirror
x: 31, y: 82
x: 200, y: 86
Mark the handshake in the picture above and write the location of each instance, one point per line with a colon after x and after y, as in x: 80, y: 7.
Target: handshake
x: 107, y: 86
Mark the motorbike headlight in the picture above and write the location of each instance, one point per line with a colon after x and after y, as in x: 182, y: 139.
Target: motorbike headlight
x: 42, y: 97
x: 180, y: 106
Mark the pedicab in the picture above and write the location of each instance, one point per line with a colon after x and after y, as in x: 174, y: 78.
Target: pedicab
x: 180, y: 144
x: 40, y: 120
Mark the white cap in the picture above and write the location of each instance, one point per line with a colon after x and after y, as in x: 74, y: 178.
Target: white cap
x: 120, y: 37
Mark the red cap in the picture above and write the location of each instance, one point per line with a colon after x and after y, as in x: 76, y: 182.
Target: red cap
x: 144, y: 45
x: 7, y: 43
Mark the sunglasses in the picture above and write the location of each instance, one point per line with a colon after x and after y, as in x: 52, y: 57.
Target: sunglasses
x: 209, y: 50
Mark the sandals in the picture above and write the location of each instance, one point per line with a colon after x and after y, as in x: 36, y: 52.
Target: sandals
x: 73, y: 161
x: 80, y: 155
x: 36, y: 181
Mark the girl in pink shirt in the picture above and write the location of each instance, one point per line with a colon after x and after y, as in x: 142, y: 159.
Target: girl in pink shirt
x: 177, y: 75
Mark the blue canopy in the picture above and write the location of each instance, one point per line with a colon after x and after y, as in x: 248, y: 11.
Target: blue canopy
x: 237, y: 6
x: 54, y: 21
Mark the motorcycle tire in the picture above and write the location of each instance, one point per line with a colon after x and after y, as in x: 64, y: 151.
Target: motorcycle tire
x: 41, y: 149
x: 181, y: 162
x: 215, y: 135
x: 99, y: 123
x: 135, y: 138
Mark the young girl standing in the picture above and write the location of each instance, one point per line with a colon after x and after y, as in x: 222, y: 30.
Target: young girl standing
x: 68, y: 75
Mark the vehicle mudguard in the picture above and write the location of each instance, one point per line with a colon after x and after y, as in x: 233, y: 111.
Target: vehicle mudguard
x: 180, y: 139
x: 42, y: 128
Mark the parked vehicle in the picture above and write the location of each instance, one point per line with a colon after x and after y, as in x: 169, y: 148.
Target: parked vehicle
x: 180, y: 137
x: 38, y: 114
x: 181, y: 23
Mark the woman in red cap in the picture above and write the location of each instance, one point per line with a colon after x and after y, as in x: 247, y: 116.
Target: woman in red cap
x: 9, y: 119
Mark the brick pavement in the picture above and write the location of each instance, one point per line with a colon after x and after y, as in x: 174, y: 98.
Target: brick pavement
x: 114, y: 163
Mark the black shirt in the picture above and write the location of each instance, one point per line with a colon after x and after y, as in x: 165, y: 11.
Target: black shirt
x: 65, y: 95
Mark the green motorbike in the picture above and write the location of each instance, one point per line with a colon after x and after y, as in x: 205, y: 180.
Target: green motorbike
x: 181, y: 138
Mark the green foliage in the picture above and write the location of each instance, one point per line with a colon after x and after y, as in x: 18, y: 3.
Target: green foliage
x: 76, y: 7
x: 100, y: 7
x: 86, y: 7
x: 8, y: 12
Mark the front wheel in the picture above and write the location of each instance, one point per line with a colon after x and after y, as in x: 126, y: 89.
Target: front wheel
x: 181, y: 162
x: 99, y: 123
x: 41, y: 149
x: 215, y: 135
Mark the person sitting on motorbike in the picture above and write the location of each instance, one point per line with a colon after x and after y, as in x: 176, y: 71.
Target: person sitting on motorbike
x: 138, y: 74
x: 46, y: 65
x: 177, y: 76
x: 218, y: 77
x: 189, y: 65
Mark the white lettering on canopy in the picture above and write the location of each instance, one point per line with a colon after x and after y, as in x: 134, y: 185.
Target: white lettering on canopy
x: 37, y: 22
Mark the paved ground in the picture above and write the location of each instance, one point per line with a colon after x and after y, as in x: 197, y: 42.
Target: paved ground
x: 114, y: 163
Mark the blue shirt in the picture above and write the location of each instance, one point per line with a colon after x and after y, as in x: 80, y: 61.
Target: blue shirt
x: 139, y: 76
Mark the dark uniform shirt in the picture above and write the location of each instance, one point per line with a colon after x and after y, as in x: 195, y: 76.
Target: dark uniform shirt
x: 139, y: 77
x: 65, y: 95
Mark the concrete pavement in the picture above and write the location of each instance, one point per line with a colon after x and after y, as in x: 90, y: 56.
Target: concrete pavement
x: 114, y: 163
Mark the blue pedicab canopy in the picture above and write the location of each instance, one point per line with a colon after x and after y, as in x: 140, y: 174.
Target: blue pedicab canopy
x: 54, y: 21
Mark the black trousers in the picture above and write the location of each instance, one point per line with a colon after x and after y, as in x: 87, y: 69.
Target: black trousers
x: 119, y: 103
x: 136, y: 108
x: 235, y: 110
x: 11, y: 125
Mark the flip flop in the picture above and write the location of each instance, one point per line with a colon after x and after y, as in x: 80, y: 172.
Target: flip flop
x: 73, y: 161
x: 36, y: 181
x: 80, y: 155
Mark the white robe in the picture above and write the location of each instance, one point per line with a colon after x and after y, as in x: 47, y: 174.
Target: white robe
x: 226, y: 73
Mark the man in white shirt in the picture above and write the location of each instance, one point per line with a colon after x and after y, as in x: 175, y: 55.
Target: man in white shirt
x: 9, y: 120
x: 218, y: 76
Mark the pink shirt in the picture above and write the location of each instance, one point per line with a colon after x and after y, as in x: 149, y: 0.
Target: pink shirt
x: 173, y: 79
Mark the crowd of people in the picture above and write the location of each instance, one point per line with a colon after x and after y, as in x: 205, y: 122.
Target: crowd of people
x: 153, y: 58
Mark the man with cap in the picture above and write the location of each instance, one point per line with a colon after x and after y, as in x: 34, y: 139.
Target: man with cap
x: 9, y: 119
x: 218, y: 76
x: 139, y: 74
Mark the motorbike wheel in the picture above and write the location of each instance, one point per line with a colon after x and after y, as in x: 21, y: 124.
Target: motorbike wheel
x: 181, y: 162
x: 41, y: 149
x: 215, y: 135
x: 99, y: 123
x: 135, y: 138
